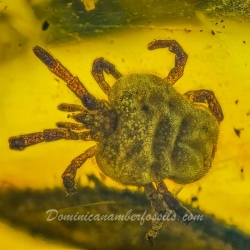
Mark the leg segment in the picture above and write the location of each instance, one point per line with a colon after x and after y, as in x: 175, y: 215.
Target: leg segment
x: 180, y: 58
x: 69, y: 174
x: 207, y: 97
x: 70, y: 125
x: 158, y: 208
x: 23, y: 141
x: 73, y: 83
x: 171, y: 201
x: 90, y: 120
x: 70, y: 107
x: 100, y: 65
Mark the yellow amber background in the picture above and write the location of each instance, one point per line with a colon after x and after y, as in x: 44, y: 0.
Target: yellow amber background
x: 30, y: 94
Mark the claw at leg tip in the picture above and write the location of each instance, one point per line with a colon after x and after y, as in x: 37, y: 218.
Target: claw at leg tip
x: 150, y: 240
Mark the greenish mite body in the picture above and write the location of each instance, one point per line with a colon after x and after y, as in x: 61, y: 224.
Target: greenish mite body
x: 159, y: 134
x: 146, y: 132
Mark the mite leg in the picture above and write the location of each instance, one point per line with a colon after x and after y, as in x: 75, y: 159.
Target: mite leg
x: 91, y: 135
x: 86, y: 117
x: 180, y: 58
x: 70, y: 125
x: 158, y: 207
x: 70, y: 107
x: 73, y: 82
x: 90, y: 120
x: 172, y: 202
x: 69, y: 174
x: 207, y: 97
x: 100, y: 65
x: 23, y: 141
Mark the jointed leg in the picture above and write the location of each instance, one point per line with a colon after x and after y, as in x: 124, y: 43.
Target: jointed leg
x: 73, y: 83
x: 208, y: 97
x: 159, y: 209
x: 171, y: 201
x: 23, y: 141
x: 100, y: 65
x: 70, y: 107
x: 180, y: 58
x: 70, y: 125
x: 88, y: 119
x: 69, y: 174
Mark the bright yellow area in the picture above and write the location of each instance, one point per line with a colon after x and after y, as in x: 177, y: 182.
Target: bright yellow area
x: 25, y: 241
x: 30, y: 95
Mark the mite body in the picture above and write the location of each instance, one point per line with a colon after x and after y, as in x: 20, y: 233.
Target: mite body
x: 146, y: 132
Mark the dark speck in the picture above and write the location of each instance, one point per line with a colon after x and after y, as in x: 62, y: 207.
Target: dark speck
x: 238, y: 131
x: 236, y: 102
x: 145, y: 108
x: 212, y: 32
x: 194, y: 198
x: 244, y: 41
x: 222, y: 21
x: 201, y: 30
x: 45, y: 25
x: 242, y: 172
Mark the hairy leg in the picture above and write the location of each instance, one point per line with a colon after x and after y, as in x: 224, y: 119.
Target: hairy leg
x: 73, y: 82
x: 100, y: 65
x: 69, y: 174
x: 23, y: 141
x: 159, y: 209
x: 207, y: 97
x: 180, y: 58
x: 172, y: 202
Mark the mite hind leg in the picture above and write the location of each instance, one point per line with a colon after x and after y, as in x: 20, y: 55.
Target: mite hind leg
x: 180, y: 58
x: 159, y: 209
x: 172, y: 202
x: 207, y: 97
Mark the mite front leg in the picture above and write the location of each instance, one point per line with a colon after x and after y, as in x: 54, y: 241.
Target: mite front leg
x: 73, y: 82
x: 180, y: 58
x: 100, y: 65
x: 207, y: 97
x: 158, y: 207
x: 172, y: 202
x: 69, y: 174
x: 70, y: 125
x: 70, y: 107
x: 23, y: 141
